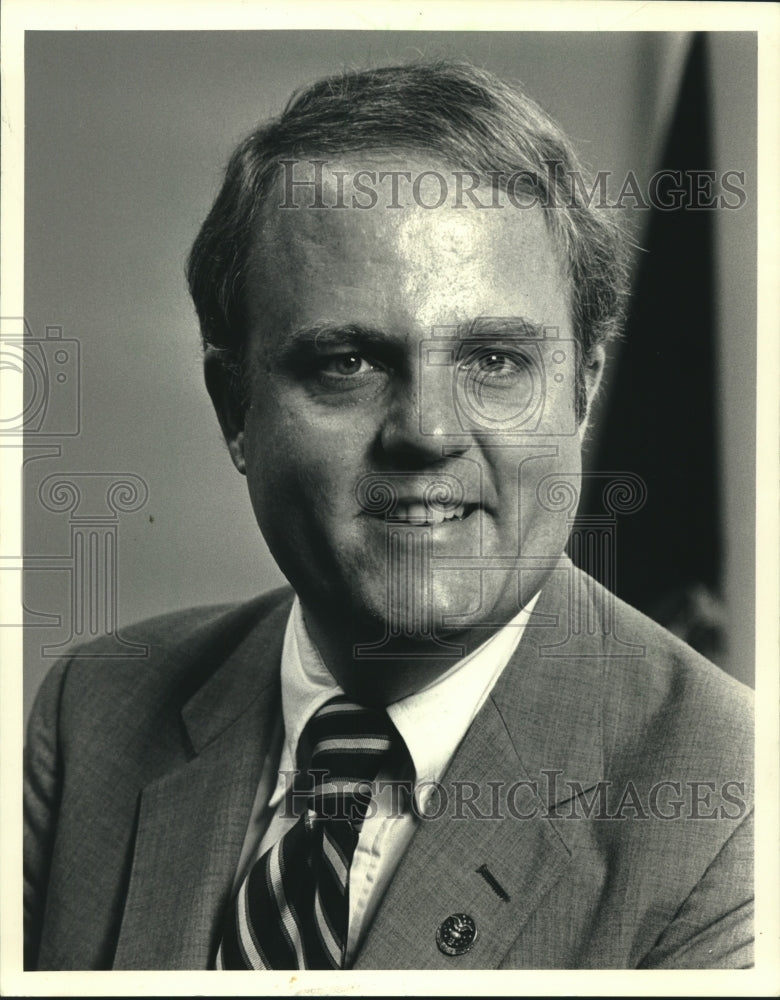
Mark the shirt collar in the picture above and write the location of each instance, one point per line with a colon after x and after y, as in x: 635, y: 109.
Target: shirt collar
x: 432, y: 721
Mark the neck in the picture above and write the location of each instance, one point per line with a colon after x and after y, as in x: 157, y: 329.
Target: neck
x: 380, y: 672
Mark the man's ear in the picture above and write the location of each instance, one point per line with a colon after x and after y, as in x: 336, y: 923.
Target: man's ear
x: 225, y: 391
x: 594, y: 369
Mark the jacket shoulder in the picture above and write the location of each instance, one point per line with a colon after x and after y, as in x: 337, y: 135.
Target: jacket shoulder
x: 688, y: 711
x: 173, y: 628
x: 103, y: 727
x: 172, y: 655
x: 666, y: 662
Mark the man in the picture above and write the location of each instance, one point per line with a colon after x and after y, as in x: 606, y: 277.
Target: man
x: 445, y: 747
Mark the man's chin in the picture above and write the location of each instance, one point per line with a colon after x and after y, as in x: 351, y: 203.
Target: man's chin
x: 382, y: 646
x: 420, y: 614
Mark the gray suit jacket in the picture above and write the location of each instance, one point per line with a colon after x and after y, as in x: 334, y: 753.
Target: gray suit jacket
x: 597, y: 813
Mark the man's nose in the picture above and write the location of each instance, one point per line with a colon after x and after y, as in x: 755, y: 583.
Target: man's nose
x: 422, y: 425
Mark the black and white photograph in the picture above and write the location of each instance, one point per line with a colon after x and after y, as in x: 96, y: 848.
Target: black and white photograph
x: 389, y: 442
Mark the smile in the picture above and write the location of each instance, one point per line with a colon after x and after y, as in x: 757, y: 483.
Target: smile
x: 417, y: 513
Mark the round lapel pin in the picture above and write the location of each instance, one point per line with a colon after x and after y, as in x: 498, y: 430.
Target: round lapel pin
x: 456, y: 934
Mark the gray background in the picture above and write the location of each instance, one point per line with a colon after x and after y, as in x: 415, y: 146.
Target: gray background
x: 126, y: 137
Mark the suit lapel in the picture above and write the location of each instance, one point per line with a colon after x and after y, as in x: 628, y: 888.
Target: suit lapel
x: 536, y: 742
x: 439, y: 876
x: 538, y: 734
x: 192, y: 820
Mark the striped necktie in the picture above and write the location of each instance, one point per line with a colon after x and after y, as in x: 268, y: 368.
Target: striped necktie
x: 292, y: 911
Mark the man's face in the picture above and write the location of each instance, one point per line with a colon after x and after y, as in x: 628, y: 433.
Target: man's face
x: 391, y: 350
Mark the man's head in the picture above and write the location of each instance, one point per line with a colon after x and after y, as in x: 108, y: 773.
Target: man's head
x: 452, y: 113
x: 403, y: 374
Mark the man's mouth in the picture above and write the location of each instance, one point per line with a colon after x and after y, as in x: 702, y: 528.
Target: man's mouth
x: 417, y: 513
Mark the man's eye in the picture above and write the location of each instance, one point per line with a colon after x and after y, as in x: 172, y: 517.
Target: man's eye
x: 346, y: 365
x: 494, y: 365
x: 497, y: 364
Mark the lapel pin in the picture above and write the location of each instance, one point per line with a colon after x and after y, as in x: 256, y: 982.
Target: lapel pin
x: 456, y: 934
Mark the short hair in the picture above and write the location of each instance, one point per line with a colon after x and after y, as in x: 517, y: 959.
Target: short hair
x: 453, y: 112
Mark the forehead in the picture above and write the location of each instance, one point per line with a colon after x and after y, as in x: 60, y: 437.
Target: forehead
x: 404, y: 260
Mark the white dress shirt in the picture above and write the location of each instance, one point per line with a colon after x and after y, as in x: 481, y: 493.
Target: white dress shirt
x: 432, y: 723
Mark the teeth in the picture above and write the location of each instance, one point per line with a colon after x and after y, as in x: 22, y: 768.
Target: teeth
x: 418, y: 513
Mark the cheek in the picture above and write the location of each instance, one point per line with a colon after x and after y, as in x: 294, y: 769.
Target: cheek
x: 538, y: 495
x: 294, y: 468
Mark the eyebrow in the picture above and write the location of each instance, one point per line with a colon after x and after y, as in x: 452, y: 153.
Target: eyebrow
x: 502, y: 326
x: 482, y: 327
x: 334, y: 333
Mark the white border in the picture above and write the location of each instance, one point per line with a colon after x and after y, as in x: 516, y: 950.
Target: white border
x: 452, y: 15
